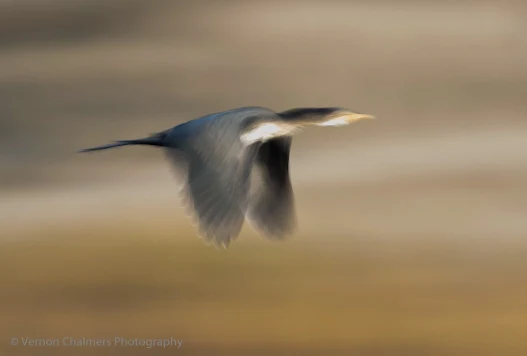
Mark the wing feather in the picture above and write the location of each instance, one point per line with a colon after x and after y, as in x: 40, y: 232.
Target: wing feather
x: 271, y: 205
x: 213, y: 170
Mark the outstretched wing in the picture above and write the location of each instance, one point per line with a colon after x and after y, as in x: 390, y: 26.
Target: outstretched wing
x: 214, y: 169
x: 271, y: 207
x: 216, y: 200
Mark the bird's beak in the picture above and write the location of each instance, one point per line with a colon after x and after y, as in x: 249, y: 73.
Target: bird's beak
x: 353, y: 117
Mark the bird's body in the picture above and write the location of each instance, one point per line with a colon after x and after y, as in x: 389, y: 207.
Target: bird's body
x: 217, y: 155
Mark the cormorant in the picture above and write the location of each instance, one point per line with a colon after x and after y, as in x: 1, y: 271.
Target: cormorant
x: 214, y: 157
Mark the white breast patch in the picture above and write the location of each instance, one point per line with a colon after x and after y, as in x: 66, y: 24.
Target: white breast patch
x: 263, y: 132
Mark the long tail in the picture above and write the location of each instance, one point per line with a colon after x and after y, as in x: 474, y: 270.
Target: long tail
x: 155, y: 140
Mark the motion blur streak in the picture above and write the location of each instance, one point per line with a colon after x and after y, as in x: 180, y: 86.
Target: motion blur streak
x: 412, y: 233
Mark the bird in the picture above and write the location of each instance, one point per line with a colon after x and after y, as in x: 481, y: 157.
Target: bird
x: 233, y: 166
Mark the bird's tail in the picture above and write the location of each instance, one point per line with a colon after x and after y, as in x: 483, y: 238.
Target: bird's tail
x: 154, y: 140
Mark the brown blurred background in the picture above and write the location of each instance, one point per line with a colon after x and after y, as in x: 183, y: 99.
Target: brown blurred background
x: 413, y: 228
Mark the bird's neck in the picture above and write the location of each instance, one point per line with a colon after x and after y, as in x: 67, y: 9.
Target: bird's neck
x: 306, y: 116
x: 267, y: 131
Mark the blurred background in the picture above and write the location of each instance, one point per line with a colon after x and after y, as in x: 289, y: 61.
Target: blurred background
x: 412, y: 234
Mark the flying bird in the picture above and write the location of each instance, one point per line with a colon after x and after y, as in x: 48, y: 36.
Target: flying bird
x: 234, y: 165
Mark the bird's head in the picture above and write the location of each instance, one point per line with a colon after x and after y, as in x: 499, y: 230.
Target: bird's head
x: 329, y: 116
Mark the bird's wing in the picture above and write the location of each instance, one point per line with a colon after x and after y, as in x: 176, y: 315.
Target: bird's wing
x: 271, y: 207
x: 216, y: 200
x: 214, y: 172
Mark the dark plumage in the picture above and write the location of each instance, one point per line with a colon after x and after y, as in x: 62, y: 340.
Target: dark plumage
x: 216, y: 156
